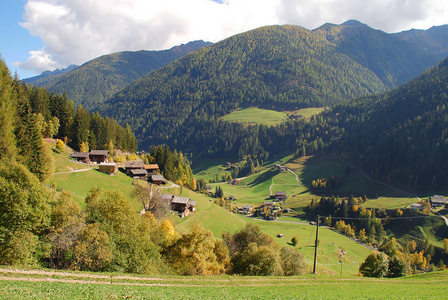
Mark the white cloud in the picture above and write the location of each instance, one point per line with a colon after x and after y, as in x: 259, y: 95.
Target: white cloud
x: 75, y: 31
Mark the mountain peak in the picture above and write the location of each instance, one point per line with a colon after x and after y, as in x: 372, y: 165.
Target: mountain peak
x: 352, y: 23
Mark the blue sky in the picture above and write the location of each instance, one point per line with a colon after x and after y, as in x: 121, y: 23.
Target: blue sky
x: 39, y: 35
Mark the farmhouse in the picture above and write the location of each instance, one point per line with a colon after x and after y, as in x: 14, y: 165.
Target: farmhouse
x: 182, y: 205
x: 99, y: 156
x: 247, y: 209
x: 157, y: 179
x: 437, y: 201
x: 134, y: 165
x: 108, y: 168
x: 280, y: 168
x: 81, y: 157
x: 417, y: 206
x: 280, y: 196
x: 154, y: 168
x: 138, y: 174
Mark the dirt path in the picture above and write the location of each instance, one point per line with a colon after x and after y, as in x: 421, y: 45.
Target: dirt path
x: 74, y: 171
x: 297, y: 178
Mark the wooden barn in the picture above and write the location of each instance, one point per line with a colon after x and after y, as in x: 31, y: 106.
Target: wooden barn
x: 157, y: 179
x: 108, y: 168
x: 154, y: 168
x: 99, y: 156
x: 183, y: 205
x: 133, y: 165
x: 83, y: 157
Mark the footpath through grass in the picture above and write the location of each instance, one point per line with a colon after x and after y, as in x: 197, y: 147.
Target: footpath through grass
x: 76, y: 286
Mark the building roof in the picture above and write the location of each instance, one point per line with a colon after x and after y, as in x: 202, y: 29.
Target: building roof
x: 438, y: 199
x: 136, y: 164
x: 157, y: 178
x: 80, y: 155
x: 180, y: 200
x: 247, y: 206
x: 138, y: 172
x: 151, y: 167
x: 193, y: 203
x: 99, y: 152
x: 280, y: 193
x: 107, y: 164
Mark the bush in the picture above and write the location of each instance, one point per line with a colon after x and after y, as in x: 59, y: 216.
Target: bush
x: 294, y: 241
x: 375, y: 265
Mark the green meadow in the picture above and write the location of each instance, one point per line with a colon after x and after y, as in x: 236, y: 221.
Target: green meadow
x: 255, y: 115
x: 78, y: 285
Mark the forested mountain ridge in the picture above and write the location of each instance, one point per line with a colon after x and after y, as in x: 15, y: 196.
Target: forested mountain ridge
x: 400, y: 136
x: 95, y: 81
x: 47, y: 76
x: 434, y: 40
x: 393, y: 60
x: 276, y: 67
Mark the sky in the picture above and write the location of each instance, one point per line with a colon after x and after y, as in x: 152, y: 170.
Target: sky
x: 40, y: 35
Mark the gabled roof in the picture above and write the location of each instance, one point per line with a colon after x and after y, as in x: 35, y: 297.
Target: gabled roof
x: 157, y: 177
x: 99, y: 152
x: 80, y: 155
x: 280, y: 193
x: 438, y: 199
x: 180, y: 200
x: 138, y: 172
x: 151, y: 167
x: 193, y: 203
x: 108, y: 164
x: 138, y: 164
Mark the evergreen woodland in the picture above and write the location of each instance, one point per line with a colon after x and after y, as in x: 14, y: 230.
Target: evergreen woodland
x: 95, y: 81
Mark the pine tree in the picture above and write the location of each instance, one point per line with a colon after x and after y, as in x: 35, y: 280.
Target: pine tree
x: 7, y: 114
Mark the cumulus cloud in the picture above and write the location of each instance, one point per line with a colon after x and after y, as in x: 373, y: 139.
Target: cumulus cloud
x: 75, y: 31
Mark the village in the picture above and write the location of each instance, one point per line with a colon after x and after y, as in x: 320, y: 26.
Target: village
x: 138, y: 170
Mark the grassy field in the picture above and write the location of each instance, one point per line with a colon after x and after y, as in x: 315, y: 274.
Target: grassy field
x: 256, y: 188
x: 80, y: 183
x: 255, y: 115
x: 76, y: 285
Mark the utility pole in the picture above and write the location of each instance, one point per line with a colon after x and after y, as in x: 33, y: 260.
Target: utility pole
x: 315, y: 245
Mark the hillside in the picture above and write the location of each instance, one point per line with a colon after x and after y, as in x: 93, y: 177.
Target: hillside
x: 95, y: 81
x: 276, y: 67
x: 393, y: 60
x: 434, y: 40
x: 48, y: 75
x: 401, y: 136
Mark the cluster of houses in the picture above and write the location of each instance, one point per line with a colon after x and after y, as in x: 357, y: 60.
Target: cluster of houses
x: 435, y: 201
x: 272, y: 207
x: 181, y: 205
x: 135, y: 169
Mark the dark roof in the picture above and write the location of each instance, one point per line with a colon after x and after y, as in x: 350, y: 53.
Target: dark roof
x: 157, y: 177
x: 134, y: 164
x: 438, y: 199
x: 80, y: 155
x: 280, y: 193
x: 138, y: 172
x: 180, y: 200
x: 99, y: 152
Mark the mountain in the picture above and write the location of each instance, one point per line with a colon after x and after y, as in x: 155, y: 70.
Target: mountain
x: 48, y: 75
x: 95, y: 81
x: 394, y: 61
x: 400, y: 136
x: 434, y: 40
x: 276, y: 67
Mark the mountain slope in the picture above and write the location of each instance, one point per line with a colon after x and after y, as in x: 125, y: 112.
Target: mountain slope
x: 48, y: 75
x: 281, y: 67
x: 401, y: 136
x: 393, y: 60
x: 95, y: 81
x: 434, y: 40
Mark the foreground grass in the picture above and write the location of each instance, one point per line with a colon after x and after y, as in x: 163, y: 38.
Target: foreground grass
x: 76, y: 286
